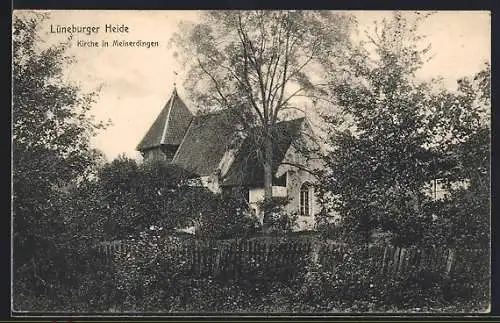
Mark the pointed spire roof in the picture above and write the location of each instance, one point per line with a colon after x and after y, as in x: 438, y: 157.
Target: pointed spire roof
x: 170, y: 125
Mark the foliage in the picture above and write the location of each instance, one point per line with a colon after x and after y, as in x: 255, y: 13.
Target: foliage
x: 378, y: 165
x: 126, y: 198
x: 51, y: 132
x: 135, y: 197
x: 396, y: 136
x: 280, y: 221
x: 329, y: 230
x: 355, y: 285
x: 151, y: 279
x: 471, y: 283
x: 463, y: 215
x: 155, y: 274
x: 227, y: 217
x: 149, y: 276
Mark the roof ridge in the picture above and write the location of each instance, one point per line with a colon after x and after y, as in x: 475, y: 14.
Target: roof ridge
x: 164, y: 133
x: 182, y: 141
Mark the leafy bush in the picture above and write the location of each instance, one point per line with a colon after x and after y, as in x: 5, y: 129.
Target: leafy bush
x: 329, y: 230
x: 470, y: 282
x: 280, y: 221
x: 155, y: 275
x: 78, y: 283
x: 348, y: 283
x: 148, y: 276
x: 226, y: 217
x: 355, y: 285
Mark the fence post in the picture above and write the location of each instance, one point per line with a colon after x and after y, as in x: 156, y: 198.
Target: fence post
x: 198, y: 258
x: 315, y: 249
x: 394, y: 263
x: 402, y: 253
x: 450, y: 261
x: 384, y: 259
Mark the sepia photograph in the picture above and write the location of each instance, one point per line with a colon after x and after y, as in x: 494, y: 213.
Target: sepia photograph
x: 252, y: 162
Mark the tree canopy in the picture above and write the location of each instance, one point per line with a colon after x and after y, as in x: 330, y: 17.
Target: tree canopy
x: 256, y: 63
x: 398, y: 135
x: 51, y: 132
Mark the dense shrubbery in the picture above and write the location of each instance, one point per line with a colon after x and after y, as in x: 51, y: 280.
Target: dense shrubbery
x: 152, y: 278
x: 138, y: 196
x: 82, y: 285
x: 156, y: 276
x: 356, y: 285
x: 149, y: 276
x: 226, y: 217
x: 280, y: 221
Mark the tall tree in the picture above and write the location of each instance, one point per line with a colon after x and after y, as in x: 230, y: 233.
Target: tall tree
x: 462, y: 129
x: 398, y: 134
x: 51, y: 133
x: 379, y: 163
x: 256, y: 63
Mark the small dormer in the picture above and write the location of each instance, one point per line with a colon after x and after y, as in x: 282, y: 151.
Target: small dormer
x: 166, y: 133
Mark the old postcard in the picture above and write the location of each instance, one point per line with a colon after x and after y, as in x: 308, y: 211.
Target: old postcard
x: 250, y: 162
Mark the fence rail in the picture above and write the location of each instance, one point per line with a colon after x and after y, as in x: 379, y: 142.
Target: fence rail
x: 241, y: 257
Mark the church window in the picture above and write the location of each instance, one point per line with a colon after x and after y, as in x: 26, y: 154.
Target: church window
x: 306, y: 194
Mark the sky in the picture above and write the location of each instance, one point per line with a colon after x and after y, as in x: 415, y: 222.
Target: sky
x: 135, y: 83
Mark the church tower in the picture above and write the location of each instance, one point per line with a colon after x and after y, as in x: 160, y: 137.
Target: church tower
x: 166, y: 133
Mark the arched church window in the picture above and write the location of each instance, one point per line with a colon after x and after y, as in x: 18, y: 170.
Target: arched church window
x: 306, y: 195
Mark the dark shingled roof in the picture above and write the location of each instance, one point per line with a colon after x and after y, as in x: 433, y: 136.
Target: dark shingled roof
x: 206, y: 140
x: 203, y: 141
x: 246, y: 169
x: 170, y: 125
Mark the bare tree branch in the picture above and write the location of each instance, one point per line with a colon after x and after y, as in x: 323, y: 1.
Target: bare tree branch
x: 285, y: 68
x: 245, y: 71
x: 300, y: 167
x: 216, y: 83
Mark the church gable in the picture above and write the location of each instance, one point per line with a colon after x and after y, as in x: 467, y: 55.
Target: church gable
x: 246, y: 170
x: 303, y: 153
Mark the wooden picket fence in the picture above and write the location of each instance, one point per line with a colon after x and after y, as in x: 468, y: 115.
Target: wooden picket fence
x: 283, y: 259
x: 394, y: 261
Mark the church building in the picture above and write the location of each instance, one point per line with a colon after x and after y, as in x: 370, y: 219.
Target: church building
x: 210, y: 146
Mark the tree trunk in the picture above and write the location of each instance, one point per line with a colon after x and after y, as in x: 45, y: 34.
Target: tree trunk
x: 268, y: 182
